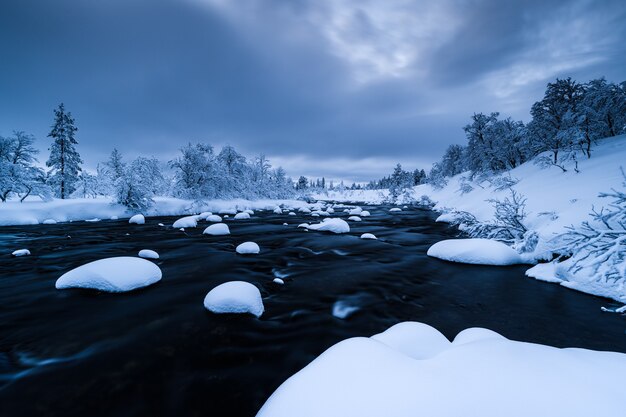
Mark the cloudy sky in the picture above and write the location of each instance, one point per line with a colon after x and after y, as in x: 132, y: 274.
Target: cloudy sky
x: 335, y: 88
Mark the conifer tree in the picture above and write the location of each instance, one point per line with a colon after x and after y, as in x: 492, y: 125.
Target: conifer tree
x: 64, y: 161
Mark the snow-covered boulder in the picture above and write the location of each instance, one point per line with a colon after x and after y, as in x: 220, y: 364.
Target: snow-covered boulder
x: 235, y: 297
x: 355, y: 211
x: 247, y: 248
x: 148, y: 254
x: 291, y: 213
x: 475, y: 251
x: 94, y: 220
x: 137, y: 219
x: 278, y: 281
x: 413, y: 370
x: 204, y: 215
x: 277, y: 210
x: 354, y: 218
x: 395, y: 210
x: 228, y: 211
x: 365, y: 213
x: 49, y: 221
x: 112, y: 275
x: 218, y: 229
x: 450, y: 217
x: 250, y: 212
x: 368, y: 236
x: 20, y: 252
x: 213, y: 218
x: 242, y: 216
x: 303, y: 225
x: 188, y: 221
x: 331, y: 225
x: 114, y: 217
x: 304, y: 210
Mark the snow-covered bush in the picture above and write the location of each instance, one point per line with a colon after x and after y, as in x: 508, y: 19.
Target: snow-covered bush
x: 135, y: 188
x: 598, y: 246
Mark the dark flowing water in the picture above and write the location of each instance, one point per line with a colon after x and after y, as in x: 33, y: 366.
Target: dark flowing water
x: 158, y: 352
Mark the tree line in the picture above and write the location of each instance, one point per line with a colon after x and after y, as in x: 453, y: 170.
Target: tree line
x: 198, y: 173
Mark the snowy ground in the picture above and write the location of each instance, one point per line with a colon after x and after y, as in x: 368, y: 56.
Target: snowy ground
x: 554, y: 201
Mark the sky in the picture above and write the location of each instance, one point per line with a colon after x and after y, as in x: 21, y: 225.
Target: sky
x: 338, y: 88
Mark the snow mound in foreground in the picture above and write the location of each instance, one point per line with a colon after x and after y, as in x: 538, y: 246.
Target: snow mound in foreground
x: 148, y: 254
x: 242, y: 216
x: 413, y: 370
x: 235, y: 297
x: 218, y: 229
x: 188, y: 221
x: 213, y: 218
x: 21, y: 252
x: 137, y: 219
x: 368, y: 236
x: 331, y: 225
x: 119, y: 274
x: 475, y: 251
x: 247, y: 248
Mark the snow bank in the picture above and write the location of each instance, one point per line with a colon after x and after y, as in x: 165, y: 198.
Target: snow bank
x: 112, y: 275
x: 20, y: 252
x: 235, y: 297
x: 188, y: 221
x: 218, y: 229
x: 148, y: 254
x: 475, y: 251
x: 247, y: 248
x: 331, y: 225
x: 137, y: 219
x: 413, y: 370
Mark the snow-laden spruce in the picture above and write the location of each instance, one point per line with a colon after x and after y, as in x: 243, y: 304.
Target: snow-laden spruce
x: 334, y: 225
x: 218, y: 229
x: 247, y: 248
x: 475, y: 251
x: 186, y: 222
x: 20, y: 252
x: 235, y: 297
x: 413, y: 370
x: 148, y: 254
x: 118, y: 274
x: 137, y: 219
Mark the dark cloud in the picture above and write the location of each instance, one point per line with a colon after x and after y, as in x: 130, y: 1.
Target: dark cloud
x: 316, y: 84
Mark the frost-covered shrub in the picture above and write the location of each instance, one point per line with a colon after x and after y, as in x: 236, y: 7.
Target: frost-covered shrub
x: 503, y: 182
x: 598, y: 246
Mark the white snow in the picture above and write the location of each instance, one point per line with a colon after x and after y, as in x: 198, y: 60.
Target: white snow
x: 228, y: 210
x: 112, y: 275
x: 278, y: 281
x: 475, y: 251
x: 242, y: 216
x: 137, y: 219
x: 21, y: 252
x: 148, y: 254
x: 213, y: 218
x: 365, y: 213
x: 334, y: 225
x: 413, y: 370
x: 354, y: 218
x: 303, y: 225
x: 188, y: 221
x: 94, y: 220
x: 395, y: 210
x: 355, y: 211
x: 277, y: 210
x: 49, y: 221
x: 247, y: 248
x: 235, y: 297
x: 217, y: 229
x: 368, y: 236
x: 291, y: 213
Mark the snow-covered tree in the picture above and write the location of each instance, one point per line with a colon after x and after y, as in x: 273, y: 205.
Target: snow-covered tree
x: 303, y: 183
x: 195, y: 172
x: 453, y: 161
x: 64, y: 161
x: 480, y: 144
x: 135, y: 188
x: 18, y: 175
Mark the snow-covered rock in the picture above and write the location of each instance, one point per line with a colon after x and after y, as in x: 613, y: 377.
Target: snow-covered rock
x: 188, y: 221
x: 475, y: 251
x: 235, y: 297
x: 277, y: 210
x: 213, y: 218
x: 278, y: 281
x: 365, y: 213
x: 20, y: 252
x: 395, y: 210
x: 303, y: 225
x: 449, y: 217
x: 250, y: 212
x: 354, y: 218
x: 242, y: 216
x: 413, y: 370
x: 368, y: 236
x: 218, y: 229
x: 114, y: 217
x: 334, y: 225
x: 49, y: 221
x: 204, y: 215
x: 247, y: 248
x: 112, y: 275
x: 137, y: 219
x: 94, y: 220
x: 148, y: 254
x: 355, y: 211
x: 291, y: 213
x: 304, y: 210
